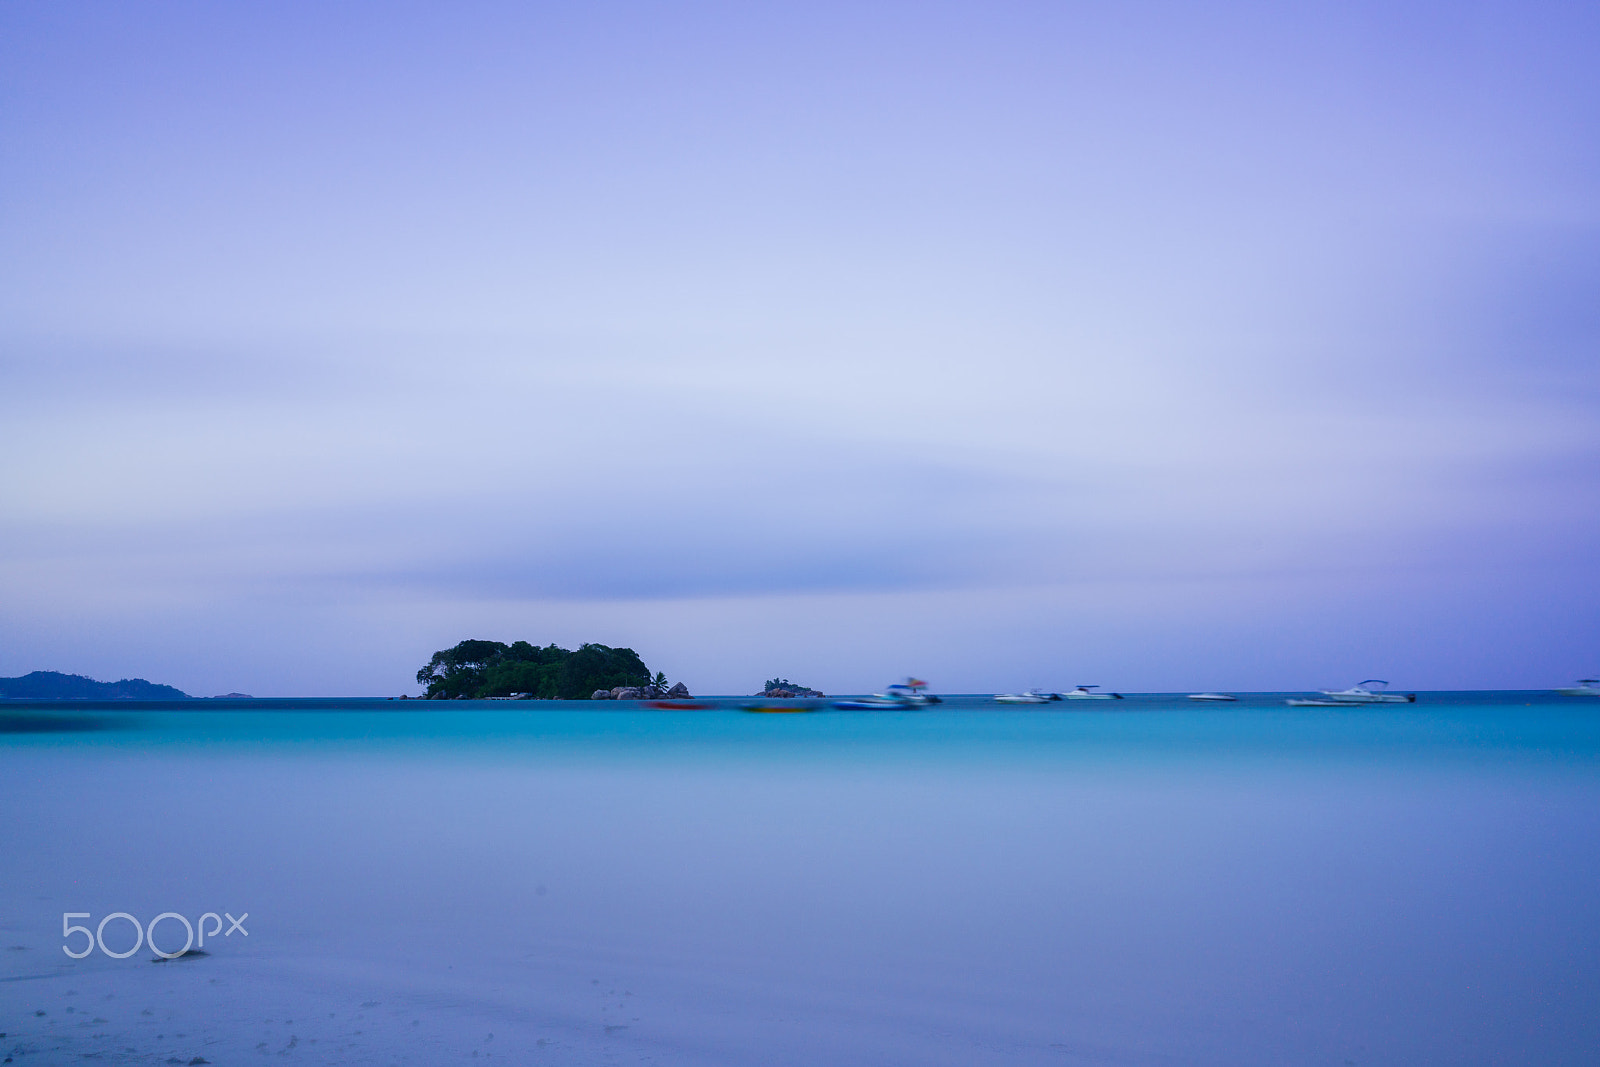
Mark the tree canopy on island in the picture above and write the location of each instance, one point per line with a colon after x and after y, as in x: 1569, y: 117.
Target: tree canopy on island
x: 478, y: 669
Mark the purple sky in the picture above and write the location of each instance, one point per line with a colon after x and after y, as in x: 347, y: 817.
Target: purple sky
x: 1006, y: 344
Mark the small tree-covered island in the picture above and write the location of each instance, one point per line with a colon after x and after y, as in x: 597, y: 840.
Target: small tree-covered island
x: 485, y: 670
x: 782, y: 687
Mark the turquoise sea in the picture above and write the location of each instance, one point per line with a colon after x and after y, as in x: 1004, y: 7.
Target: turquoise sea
x: 1146, y: 881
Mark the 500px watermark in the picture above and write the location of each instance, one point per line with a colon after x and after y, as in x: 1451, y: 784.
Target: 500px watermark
x: 142, y: 934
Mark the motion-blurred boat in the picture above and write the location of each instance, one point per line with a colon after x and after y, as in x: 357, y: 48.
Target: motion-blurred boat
x: 1316, y: 702
x: 1370, y: 691
x: 1586, y: 687
x: 780, y: 706
x: 679, y: 705
x: 1212, y: 696
x: 906, y: 697
x: 1032, y: 696
x: 1086, y: 692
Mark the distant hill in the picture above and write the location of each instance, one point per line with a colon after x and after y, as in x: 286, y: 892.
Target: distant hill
x: 53, y: 685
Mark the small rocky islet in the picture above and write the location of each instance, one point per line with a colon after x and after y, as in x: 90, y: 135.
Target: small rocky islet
x: 783, y: 689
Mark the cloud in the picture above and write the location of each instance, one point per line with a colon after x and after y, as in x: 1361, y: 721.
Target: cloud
x: 531, y: 308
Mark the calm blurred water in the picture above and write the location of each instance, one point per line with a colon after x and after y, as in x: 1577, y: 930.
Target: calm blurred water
x: 1148, y: 881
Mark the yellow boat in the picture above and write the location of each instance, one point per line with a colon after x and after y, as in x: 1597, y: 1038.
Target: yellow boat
x: 781, y: 706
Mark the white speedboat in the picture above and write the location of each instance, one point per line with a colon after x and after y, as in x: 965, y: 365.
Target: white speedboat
x: 1370, y: 691
x: 1032, y: 696
x: 1316, y: 702
x: 1086, y: 692
x: 1586, y: 687
x: 1212, y: 696
x: 907, y: 697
